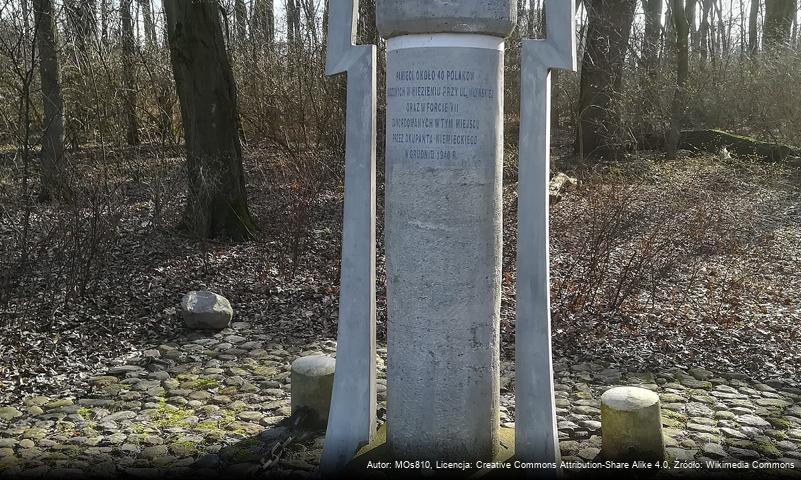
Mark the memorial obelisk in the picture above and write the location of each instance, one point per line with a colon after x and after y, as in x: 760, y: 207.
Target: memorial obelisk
x: 443, y: 229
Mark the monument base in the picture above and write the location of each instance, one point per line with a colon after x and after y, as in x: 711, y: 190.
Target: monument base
x: 375, y: 462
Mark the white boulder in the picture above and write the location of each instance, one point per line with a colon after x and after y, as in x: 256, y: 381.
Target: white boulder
x: 204, y: 310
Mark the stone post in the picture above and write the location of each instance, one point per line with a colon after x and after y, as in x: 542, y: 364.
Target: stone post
x: 312, y: 384
x: 631, y: 425
x: 443, y: 230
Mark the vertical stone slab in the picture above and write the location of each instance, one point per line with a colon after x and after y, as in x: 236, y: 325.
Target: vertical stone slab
x: 536, y: 438
x: 351, y: 419
x: 443, y: 228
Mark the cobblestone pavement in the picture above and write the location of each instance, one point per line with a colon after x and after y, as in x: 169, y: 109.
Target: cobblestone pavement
x: 210, y: 404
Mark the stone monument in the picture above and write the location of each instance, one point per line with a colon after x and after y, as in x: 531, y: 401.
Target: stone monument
x: 443, y: 231
x: 352, y: 416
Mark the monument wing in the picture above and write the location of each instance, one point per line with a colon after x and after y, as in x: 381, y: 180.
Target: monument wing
x: 351, y: 420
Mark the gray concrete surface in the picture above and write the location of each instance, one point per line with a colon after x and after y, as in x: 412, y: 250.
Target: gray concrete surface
x: 352, y: 419
x: 403, y: 17
x: 312, y: 384
x: 536, y: 435
x: 443, y: 236
x: 631, y: 422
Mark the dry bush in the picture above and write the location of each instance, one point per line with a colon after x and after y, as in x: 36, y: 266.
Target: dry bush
x: 60, y: 251
x: 613, y: 247
x: 752, y: 96
x: 759, y: 96
x: 627, y: 239
x: 294, y: 116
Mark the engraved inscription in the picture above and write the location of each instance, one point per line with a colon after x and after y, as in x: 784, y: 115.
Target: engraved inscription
x: 437, y: 113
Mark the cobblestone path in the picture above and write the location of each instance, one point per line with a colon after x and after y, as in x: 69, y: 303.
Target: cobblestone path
x: 211, y: 404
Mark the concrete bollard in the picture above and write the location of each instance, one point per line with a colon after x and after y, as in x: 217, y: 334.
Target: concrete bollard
x: 312, y: 384
x: 631, y: 425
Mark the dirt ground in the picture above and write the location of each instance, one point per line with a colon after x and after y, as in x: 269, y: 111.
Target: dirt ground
x: 655, y: 264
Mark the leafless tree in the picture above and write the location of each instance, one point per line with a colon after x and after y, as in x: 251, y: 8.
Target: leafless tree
x: 217, y: 199
x: 129, y: 74
x: 680, y: 20
x: 779, y: 16
x: 753, y: 28
x: 608, y: 28
x: 653, y: 32
x: 53, y: 168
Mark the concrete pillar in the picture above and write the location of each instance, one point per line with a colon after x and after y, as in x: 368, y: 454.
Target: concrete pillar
x: 443, y: 231
x: 631, y: 425
x: 312, y: 384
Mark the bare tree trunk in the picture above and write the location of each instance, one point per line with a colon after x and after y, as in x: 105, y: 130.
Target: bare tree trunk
x: 743, y: 43
x: 325, y: 22
x: 531, y: 19
x: 753, y: 28
x: 653, y: 32
x: 80, y: 23
x: 217, y: 199
x: 682, y: 73
x: 695, y: 37
x: 723, y: 34
x: 164, y: 97
x: 609, y: 25
x: 263, y: 24
x: 128, y: 74
x: 293, y: 22
x: 670, y: 30
x: 650, y: 132
x: 104, y: 13
x: 705, y: 27
x: 779, y: 15
x: 240, y: 23
x: 310, y: 17
x: 79, y: 29
x: 150, y: 24
x: 53, y: 175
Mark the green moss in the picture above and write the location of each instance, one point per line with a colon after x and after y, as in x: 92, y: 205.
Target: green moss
x: 206, y: 426
x: 767, y: 449
x: 671, y: 422
x: 776, y: 434
x: 203, y: 384
x: 84, y: 412
x: 244, y: 451
x: 227, y: 419
x: 184, y: 448
x: 165, y: 417
x: 72, y: 451
x: 779, y: 423
x: 62, y: 427
x: 215, y: 436
x: 216, y: 430
x: 674, y: 415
